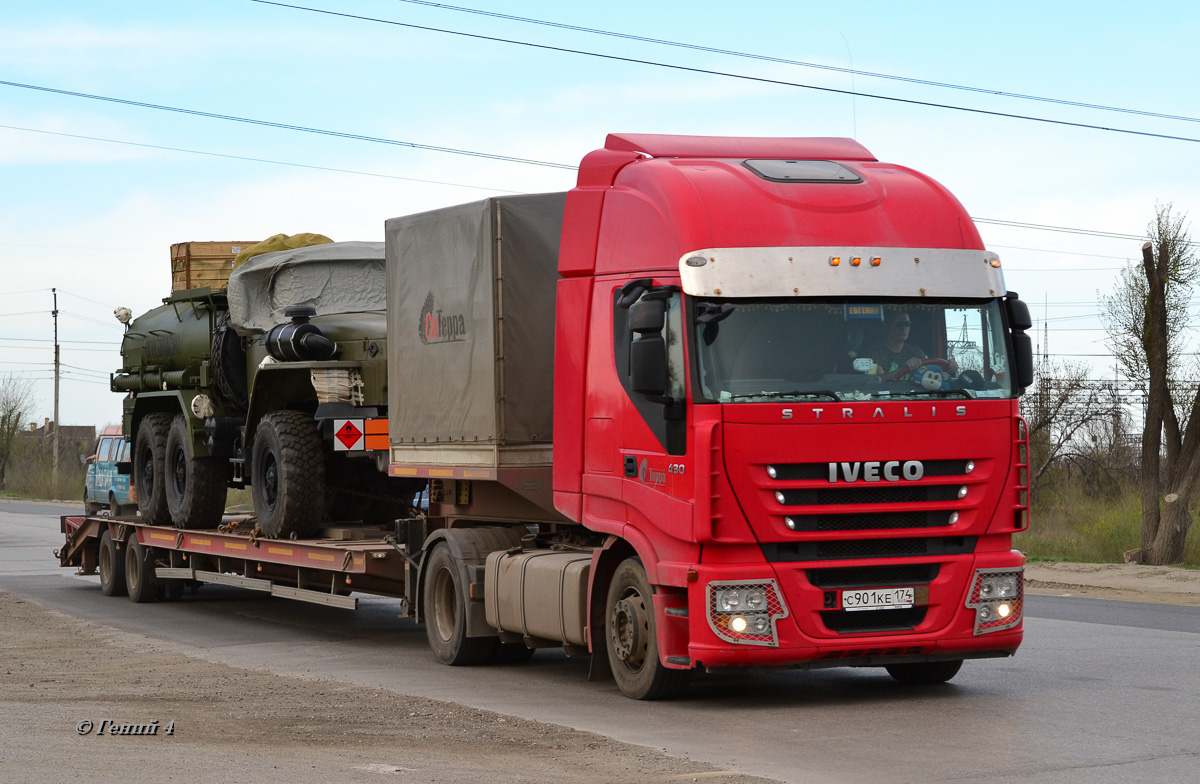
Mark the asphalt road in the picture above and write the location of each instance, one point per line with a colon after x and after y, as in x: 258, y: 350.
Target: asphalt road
x: 1100, y: 692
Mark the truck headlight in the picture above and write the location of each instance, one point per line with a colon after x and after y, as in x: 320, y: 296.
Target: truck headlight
x: 746, y: 612
x: 997, y: 597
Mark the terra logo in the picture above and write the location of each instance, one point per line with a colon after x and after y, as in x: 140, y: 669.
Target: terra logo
x: 438, y: 328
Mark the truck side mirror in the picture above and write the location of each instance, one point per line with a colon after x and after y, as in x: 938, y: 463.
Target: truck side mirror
x: 1019, y: 321
x: 647, y: 349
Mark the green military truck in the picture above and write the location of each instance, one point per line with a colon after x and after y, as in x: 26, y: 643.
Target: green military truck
x: 276, y: 380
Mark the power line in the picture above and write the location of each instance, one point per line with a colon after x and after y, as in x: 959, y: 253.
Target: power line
x: 784, y: 61
x: 251, y: 159
x: 289, y: 127
x: 709, y: 72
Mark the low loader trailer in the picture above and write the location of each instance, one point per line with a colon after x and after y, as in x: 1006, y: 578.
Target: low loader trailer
x: 729, y: 402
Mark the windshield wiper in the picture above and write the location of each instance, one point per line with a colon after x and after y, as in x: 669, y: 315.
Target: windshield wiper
x: 927, y: 393
x: 773, y: 395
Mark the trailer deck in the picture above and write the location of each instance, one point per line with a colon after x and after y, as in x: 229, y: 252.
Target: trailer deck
x: 323, y: 570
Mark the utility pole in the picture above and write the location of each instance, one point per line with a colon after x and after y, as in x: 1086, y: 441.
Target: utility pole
x: 54, y: 291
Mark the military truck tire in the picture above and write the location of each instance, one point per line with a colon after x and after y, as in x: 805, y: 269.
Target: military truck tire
x: 288, y: 475
x: 632, y: 640
x: 140, y: 581
x: 925, y: 673
x: 195, y: 486
x: 445, y: 609
x: 149, y: 459
x: 112, y: 567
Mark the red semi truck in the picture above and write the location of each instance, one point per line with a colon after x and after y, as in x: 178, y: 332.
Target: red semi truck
x: 729, y: 402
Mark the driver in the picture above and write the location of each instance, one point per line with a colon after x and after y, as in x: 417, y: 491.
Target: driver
x: 893, y: 352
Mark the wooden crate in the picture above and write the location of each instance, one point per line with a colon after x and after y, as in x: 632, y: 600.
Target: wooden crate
x: 197, y: 264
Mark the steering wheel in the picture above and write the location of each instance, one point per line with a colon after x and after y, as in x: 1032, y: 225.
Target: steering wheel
x: 906, y: 372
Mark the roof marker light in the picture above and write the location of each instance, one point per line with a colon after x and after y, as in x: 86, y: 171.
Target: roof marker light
x: 854, y: 262
x: 876, y: 261
x: 995, y: 263
x: 834, y: 261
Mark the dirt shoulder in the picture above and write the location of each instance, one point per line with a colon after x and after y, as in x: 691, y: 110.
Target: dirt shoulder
x: 232, y: 725
x: 1127, y: 582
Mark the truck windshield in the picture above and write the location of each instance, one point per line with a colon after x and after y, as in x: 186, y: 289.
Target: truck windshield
x: 760, y: 350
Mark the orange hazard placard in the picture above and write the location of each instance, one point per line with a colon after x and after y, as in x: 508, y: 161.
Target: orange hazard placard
x: 348, y: 435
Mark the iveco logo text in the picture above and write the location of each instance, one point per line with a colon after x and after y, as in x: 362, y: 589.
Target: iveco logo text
x: 876, y: 470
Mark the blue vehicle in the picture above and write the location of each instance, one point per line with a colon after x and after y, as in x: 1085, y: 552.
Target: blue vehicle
x: 106, y: 488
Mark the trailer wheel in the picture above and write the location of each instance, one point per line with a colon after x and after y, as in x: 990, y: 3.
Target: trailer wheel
x: 139, y: 572
x: 924, y: 673
x: 112, y: 567
x: 195, y: 486
x: 150, y: 451
x: 288, y: 475
x: 631, y: 638
x: 445, y: 605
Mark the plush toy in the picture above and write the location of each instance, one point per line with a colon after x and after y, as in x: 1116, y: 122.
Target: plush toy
x: 932, y: 377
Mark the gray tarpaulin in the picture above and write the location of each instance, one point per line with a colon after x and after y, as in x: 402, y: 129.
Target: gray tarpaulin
x: 339, y: 277
x: 471, y: 322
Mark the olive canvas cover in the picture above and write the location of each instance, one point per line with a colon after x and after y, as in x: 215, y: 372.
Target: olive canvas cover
x: 336, y: 277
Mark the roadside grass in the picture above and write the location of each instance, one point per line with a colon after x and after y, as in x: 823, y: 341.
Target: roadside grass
x: 1074, y: 525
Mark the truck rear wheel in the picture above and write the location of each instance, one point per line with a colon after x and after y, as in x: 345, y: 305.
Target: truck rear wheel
x: 140, y: 581
x: 445, y: 610
x: 631, y: 638
x: 150, y: 451
x: 195, y: 486
x: 925, y: 673
x: 288, y: 475
x: 112, y: 567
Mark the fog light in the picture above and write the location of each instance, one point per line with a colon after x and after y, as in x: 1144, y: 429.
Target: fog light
x: 779, y: 496
x: 771, y: 472
x: 760, y: 624
x: 962, y: 492
x: 970, y: 466
x: 738, y: 624
x: 790, y: 523
x: 953, y: 518
x: 1004, y: 610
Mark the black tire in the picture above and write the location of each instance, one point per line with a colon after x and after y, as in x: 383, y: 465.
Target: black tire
x: 112, y: 566
x: 445, y: 610
x: 140, y: 582
x: 89, y: 507
x: 288, y: 475
x: 925, y: 673
x: 631, y: 638
x: 149, y: 458
x: 195, y: 486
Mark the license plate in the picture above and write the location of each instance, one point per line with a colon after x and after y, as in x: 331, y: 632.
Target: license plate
x: 878, y: 599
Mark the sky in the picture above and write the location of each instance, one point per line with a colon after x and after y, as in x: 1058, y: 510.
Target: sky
x: 94, y: 192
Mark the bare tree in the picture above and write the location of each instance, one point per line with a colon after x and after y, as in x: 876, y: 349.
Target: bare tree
x: 1065, y: 411
x: 1146, y: 321
x: 16, y: 406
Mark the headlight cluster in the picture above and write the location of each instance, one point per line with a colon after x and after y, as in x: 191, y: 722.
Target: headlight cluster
x: 997, y: 597
x: 746, y: 612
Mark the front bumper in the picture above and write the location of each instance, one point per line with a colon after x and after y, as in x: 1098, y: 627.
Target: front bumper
x: 811, y: 630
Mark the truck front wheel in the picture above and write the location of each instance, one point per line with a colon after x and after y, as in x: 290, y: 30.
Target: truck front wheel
x: 288, y: 475
x: 150, y: 451
x: 195, y: 486
x: 445, y: 609
x: 631, y: 638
